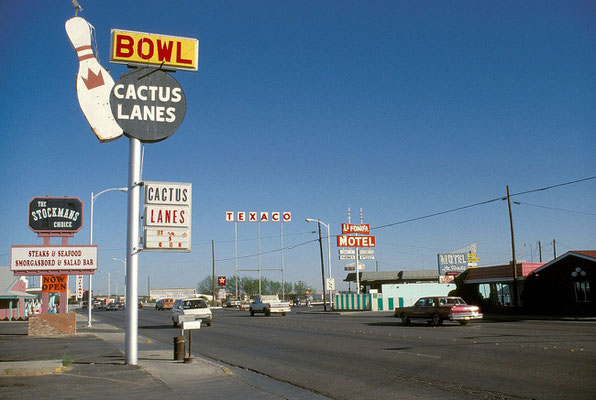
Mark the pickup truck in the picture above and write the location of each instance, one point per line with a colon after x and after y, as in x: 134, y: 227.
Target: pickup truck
x: 268, y: 305
x: 438, y: 309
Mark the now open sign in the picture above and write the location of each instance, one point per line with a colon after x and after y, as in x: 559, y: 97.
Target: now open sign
x: 54, y: 283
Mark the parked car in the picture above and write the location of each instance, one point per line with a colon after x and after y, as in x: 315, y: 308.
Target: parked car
x: 269, y: 304
x: 191, y: 308
x: 112, y: 307
x: 159, y: 304
x: 438, y: 309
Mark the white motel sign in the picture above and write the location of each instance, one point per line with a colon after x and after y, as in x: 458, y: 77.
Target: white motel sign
x: 355, y: 241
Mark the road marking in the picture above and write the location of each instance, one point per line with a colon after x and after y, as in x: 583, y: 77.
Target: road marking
x: 416, y: 354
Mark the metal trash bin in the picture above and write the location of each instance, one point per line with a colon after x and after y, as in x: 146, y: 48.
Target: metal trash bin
x: 179, y: 348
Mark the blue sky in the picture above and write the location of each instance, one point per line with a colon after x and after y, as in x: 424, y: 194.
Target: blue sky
x: 405, y: 109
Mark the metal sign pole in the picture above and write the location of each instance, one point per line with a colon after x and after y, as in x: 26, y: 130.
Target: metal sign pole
x: 132, y: 249
x: 283, y: 282
x: 259, y: 253
x: 236, y: 257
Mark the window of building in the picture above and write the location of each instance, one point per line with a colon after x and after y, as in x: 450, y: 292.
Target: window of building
x: 581, y: 291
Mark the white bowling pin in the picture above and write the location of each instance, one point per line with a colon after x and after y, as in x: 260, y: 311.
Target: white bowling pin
x: 94, y: 83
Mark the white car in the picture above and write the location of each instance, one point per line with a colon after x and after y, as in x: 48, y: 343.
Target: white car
x: 269, y: 304
x: 193, y: 307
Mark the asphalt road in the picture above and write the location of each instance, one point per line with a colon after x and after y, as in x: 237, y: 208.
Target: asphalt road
x: 372, y: 356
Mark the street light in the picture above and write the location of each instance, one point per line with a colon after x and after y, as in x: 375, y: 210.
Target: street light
x: 328, y: 254
x: 93, y: 197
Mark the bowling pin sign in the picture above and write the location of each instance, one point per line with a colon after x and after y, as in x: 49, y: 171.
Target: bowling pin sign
x: 94, y: 83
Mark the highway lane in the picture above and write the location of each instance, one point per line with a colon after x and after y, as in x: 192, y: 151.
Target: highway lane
x: 373, y: 356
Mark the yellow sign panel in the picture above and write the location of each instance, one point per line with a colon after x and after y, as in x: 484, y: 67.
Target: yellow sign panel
x: 148, y: 49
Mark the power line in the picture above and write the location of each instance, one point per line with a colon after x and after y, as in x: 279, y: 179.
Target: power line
x: 482, y: 203
x: 553, y: 208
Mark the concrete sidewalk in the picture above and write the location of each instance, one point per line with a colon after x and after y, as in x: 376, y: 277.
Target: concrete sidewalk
x: 91, y: 365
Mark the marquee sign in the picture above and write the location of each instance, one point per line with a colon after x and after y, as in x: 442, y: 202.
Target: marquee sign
x: 140, y: 48
x: 66, y: 259
x: 363, y: 229
x: 167, y: 221
x: 148, y: 104
x: 54, y: 283
x: 355, y: 241
x: 258, y: 216
x: 452, y: 263
x: 55, y: 215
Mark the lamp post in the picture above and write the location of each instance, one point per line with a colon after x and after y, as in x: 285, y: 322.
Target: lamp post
x: 328, y: 252
x: 93, y: 197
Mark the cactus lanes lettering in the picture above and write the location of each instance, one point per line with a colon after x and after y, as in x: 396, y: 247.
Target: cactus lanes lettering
x: 167, y: 216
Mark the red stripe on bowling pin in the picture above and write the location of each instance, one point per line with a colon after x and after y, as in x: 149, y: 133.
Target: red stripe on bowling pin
x: 84, y: 52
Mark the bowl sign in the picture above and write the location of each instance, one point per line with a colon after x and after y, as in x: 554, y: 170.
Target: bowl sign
x: 55, y: 214
x: 148, y: 104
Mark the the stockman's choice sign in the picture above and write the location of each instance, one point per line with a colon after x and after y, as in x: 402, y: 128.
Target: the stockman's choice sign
x: 32, y: 258
x: 55, y: 214
x: 140, y: 48
x: 54, y: 283
x: 167, y: 221
x: 148, y: 104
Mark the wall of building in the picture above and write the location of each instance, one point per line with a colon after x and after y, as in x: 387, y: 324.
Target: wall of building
x: 410, y: 292
x: 175, y: 293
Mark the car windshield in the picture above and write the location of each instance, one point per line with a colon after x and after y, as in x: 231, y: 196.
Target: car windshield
x: 190, y: 304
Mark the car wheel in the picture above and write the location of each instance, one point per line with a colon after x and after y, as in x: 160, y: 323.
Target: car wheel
x: 283, y: 314
x: 436, y: 321
x: 404, y: 319
x: 267, y: 312
x: 174, y: 322
x: 463, y: 322
x: 208, y: 324
x: 252, y: 313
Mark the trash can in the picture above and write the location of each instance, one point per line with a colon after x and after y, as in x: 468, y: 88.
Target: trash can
x: 179, y: 348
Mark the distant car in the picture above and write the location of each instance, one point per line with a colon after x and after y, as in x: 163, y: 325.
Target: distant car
x: 167, y: 304
x: 159, y: 304
x: 437, y: 309
x: 112, y: 307
x: 269, y: 304
x: 191, y: 308
x: 233, y: 303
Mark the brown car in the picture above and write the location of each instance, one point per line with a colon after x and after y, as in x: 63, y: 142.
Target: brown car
x: 437, y: 309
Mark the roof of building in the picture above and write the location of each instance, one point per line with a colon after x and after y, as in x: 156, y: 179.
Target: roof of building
x: 585, y: 254
x: 499, y: 273
x: 393, y: 276
x: 7, y: 283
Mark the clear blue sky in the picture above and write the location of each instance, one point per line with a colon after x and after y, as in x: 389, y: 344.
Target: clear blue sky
x: 405, y: 109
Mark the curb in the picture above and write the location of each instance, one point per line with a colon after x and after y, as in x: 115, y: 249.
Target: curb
x: 32, y: 368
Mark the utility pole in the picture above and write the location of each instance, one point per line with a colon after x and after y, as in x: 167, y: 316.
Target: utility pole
x: 554, y: 249
x: 540, y: 250
x: 514, y: 261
